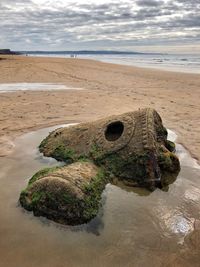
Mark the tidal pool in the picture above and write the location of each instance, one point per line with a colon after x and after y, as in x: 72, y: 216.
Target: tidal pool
x: 14, y: 87
x: 133, y: 228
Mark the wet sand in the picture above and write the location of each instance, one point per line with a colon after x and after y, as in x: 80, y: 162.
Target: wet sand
x: 108, y: 89
x: 133, y: 228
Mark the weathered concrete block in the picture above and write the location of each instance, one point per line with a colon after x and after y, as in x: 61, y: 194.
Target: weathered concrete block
x: 132, y: 147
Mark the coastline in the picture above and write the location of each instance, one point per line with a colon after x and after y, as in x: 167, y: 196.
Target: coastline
x: 184, y: 63
x: 108, y: 89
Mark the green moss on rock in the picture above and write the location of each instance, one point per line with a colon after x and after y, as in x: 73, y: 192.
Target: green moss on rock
x: 43, y: 144
x: 65, y: 199
x: 169, y: 162
x: 65, y: 154
x: 41, y: 173
x: 170, y: 145
x: 93, y: 192
x: 137, y: 153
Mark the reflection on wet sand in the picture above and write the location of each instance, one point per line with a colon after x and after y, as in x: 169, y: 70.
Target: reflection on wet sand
x: 14, y: 87
x: 134, y: 227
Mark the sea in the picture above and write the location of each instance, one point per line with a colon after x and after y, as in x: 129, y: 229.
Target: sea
x: 187, y: 63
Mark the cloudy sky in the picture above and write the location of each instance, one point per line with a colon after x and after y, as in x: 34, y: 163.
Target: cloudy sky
x: 135, y: 25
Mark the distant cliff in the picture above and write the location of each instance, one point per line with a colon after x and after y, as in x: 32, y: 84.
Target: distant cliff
x: 8, y: 52
x: 81, y: 52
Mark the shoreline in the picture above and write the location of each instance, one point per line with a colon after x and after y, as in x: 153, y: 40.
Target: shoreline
x: 121, y: 62
x: 111, y: 89
x: 155, y: 67
x: 136, y: 67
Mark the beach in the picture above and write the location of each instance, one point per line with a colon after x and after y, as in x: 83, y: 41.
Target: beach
x: 101, y: 89
x: 133, y: 224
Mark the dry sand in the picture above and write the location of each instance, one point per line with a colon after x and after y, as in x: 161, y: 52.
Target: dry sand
x: 109, y: 89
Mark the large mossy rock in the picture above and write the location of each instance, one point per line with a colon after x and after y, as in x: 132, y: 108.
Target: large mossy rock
x: 68, y: 195
x: 131, y: 147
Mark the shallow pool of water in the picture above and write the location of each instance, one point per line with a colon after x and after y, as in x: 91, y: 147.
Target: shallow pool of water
x: 14, y: 87
x: 133, y: 228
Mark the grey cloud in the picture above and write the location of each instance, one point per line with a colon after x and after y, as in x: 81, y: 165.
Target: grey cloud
x: 110, y: 22
x: 149, y: 3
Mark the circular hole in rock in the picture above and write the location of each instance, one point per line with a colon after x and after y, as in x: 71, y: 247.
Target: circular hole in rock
x: 114, y: 130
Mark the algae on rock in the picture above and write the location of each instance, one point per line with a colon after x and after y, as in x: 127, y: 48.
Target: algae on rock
x: 69, y: 194
x: 131, y: 147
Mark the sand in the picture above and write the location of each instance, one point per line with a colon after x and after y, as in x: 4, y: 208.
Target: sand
x: 108, y: 89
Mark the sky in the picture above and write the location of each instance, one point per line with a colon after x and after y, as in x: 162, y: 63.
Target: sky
x: 171, y: 26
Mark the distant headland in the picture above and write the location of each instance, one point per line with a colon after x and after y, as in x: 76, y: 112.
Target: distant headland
x: 8, y: 52
x: 82, y: 52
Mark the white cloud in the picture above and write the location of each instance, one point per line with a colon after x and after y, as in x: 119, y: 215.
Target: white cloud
x: 92, y: 24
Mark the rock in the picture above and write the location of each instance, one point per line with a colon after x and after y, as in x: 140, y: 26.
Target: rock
x: 8, y: 52
x: 132, y: 148
x: 68, y: 195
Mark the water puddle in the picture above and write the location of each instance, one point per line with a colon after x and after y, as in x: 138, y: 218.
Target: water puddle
x: 134, y: 227
x: 14, y: 87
